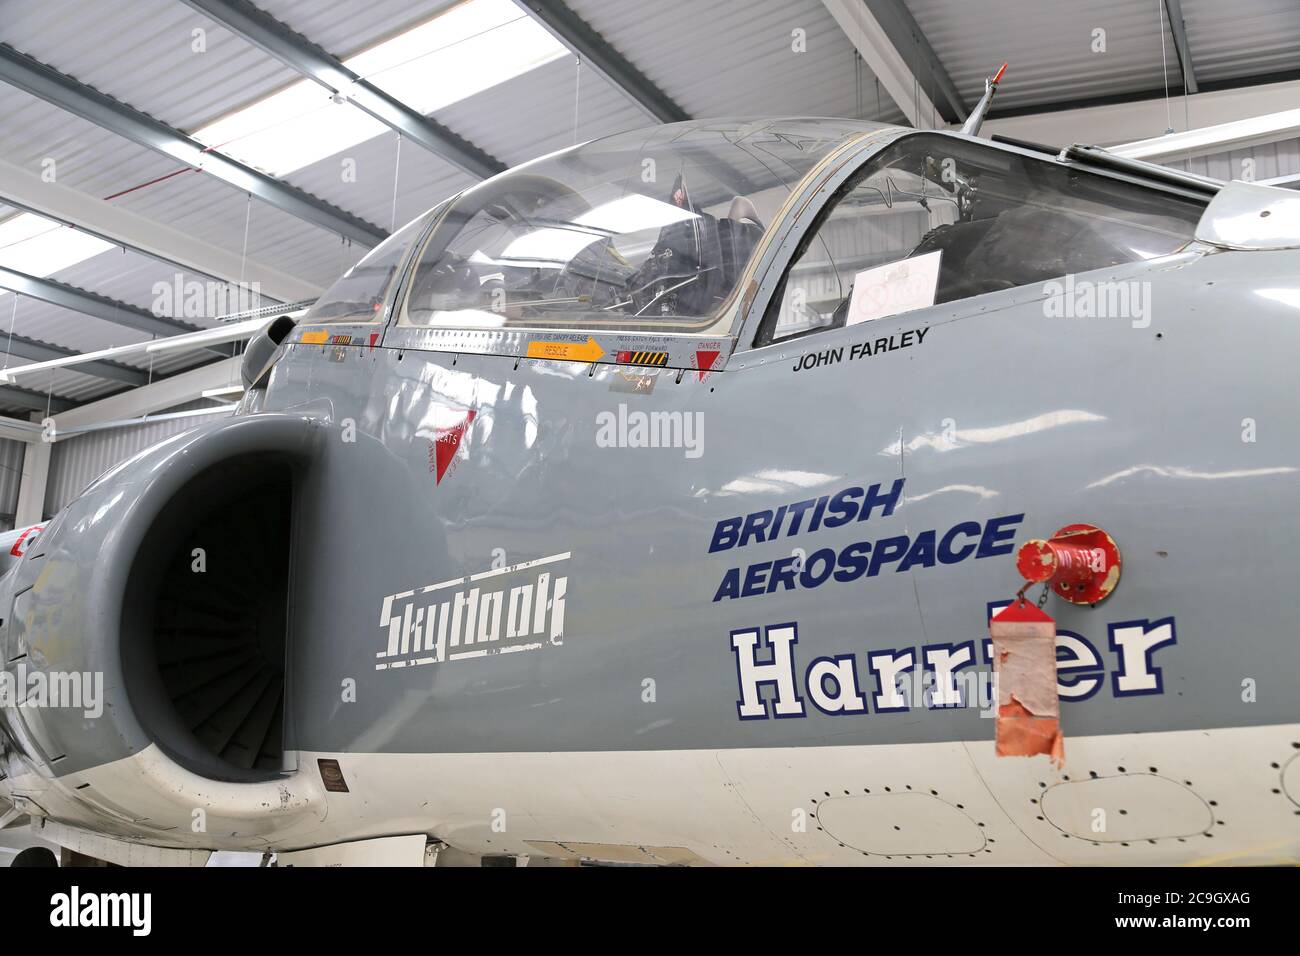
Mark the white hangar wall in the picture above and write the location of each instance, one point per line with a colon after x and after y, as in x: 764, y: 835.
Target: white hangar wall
x: 76, y: 462
x: 1255, y: 163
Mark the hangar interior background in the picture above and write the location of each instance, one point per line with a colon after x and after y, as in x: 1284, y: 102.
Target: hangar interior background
x: 149, y: 148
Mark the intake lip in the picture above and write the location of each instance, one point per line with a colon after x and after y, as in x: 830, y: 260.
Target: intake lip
x: 82, y: 597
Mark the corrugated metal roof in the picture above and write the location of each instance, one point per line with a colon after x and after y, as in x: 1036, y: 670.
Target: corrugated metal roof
x: 97, y: 162
x: 346, y: 27
x: 1049, y: 46
x: 126, y: 276
x: 66, y: 384
x: 218, y: 213
x: 87, y: 158
x: 739, y: 59
x: 534, y: 115
x: 540, y: 105
x: 423, y: 180
x: 1242, y: 38
x: 101, y: 45
x: 143, y: 51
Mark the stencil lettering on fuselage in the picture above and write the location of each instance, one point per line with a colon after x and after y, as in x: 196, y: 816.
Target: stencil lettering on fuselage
x: 939, y: 676
x: 501, y: 611
x: 868, y: 558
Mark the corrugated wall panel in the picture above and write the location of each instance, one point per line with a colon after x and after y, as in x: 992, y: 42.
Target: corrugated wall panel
x: 76, y: 462
x: 11, y: 474
x: 1255, y: 163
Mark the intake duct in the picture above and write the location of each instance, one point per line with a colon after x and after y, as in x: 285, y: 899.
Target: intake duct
x: 204, y: 617
x: 170, y: 576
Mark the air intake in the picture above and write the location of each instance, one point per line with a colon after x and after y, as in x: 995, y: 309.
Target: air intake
x: 205, y: 616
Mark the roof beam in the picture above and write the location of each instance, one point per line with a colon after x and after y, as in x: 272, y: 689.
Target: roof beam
x: 883, y: 58
x: 122, y: 227
x: 1207, y: 140
x: 32, y: 400
x: 15, y: 429
x: 163, y: 393
x: 1141, y: 119
x: 297, y: 52
x: 63, y: 91
x: 188, y: 342
x: 1174, y: 10
x: 595, y: 51
x: 90, y: 303
x: 1289, y: 181
x: 131, y: 403
x: 25, y: 348
x: 906, y: 36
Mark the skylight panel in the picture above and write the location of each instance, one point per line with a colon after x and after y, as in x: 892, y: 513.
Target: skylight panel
x: 40, y: 247
x: 468, y: 49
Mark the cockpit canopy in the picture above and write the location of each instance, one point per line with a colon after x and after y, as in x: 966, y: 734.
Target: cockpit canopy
x: 653, y: 231
x: 644, y: 230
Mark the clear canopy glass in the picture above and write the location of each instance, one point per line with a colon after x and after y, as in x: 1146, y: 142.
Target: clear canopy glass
x: 644, y: 230
x: 359, y: 294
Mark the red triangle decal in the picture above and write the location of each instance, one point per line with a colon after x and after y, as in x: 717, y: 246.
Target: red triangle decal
x: 704, y: 361
x: 447, y: 443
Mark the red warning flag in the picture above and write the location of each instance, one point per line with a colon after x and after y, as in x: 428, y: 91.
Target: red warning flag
x: 447, y: 442
x: 1024, y: 668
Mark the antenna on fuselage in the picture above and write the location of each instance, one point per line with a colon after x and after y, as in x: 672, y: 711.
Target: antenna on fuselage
x: 973, y: 122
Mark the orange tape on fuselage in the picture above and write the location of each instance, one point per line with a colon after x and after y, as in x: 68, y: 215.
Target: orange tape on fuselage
x: 1024, y: 666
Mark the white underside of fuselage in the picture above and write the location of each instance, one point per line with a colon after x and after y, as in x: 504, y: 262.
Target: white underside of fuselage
x: 1226, y: 796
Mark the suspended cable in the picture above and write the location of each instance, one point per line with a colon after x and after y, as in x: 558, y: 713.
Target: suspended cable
x: 397, y: 173
x: 13, y: 318
x: 577, y: 94
x: 1164, y: 65
x: 248, y: 218
x: 857, y: 83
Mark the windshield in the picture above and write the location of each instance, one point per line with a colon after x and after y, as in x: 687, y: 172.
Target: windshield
x: 359, y: 295
x: 643, y: 230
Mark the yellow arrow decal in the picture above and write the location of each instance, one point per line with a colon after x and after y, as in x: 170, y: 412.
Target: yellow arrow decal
x: 589, y: 351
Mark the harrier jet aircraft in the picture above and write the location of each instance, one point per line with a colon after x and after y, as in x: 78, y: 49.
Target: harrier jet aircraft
x: 649, y: 503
